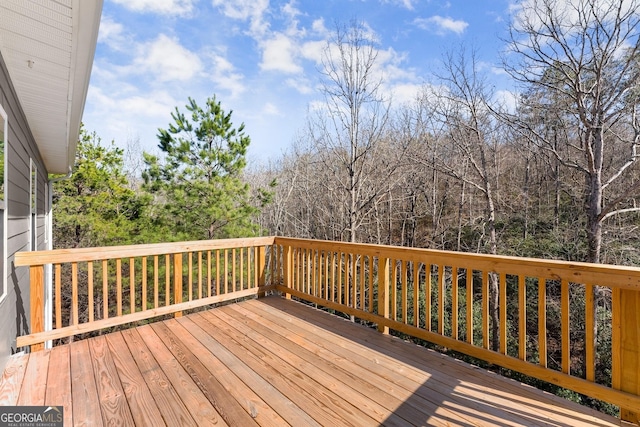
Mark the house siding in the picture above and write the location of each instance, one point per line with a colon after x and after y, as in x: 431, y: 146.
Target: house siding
x: 14, y: 308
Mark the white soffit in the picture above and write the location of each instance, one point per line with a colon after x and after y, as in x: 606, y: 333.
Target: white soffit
x: 48, y: 47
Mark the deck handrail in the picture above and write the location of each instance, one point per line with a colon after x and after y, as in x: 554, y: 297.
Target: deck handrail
x: 419, y: 292
x: 439, y: 296
x: 158, y: 279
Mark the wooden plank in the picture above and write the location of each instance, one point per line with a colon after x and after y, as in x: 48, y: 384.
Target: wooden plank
x: 143, y: 406
x: 57, y: 256
x: 249, y: 400
x: 321, y: 404
x: 350, y: 376
x: 84, y: 391
x: 58, y: 391
x: 113, y: 403
x: 173, y: 410
x: 423, y: 395
x: 367, y: 410
x: 289, y: 411
x: 534, y: 405
x: 12, y: 378
x: 34, y: 387
x: 224, y: 404
x: 199, y: 406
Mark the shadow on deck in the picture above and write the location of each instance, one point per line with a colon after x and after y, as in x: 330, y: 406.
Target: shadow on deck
x: 272, y: 362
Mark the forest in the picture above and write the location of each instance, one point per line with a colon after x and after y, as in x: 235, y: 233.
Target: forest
x: 554, y: 176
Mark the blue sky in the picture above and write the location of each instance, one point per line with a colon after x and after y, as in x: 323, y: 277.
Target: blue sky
x: 260, y: 58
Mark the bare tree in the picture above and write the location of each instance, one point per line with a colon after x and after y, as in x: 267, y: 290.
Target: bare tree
x: 584, y: 55
x: 347, y: 131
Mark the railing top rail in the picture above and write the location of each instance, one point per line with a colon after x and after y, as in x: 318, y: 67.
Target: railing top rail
x: 576, y: 272
x: 111, y: 252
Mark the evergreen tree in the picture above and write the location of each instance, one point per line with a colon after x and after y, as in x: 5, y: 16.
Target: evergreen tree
x: 95, y: 206
x: 198, y: 183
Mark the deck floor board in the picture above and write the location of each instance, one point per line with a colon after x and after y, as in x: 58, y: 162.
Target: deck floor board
x: 273, y: 362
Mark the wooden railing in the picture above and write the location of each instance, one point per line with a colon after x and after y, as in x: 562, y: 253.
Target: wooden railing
x: 544, y: 319
x: 111, y: 286
x: 542, y: 308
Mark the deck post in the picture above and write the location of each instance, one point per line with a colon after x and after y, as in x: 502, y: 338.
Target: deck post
x: 626, y: 347
x: 36, y: 299
x: 288, y: 269
x: 177, y: 282
x: 383, y: 292
x: 261, y: 262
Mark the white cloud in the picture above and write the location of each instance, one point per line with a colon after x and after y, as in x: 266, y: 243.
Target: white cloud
x: 319, y: 28
x: 407, y: 4
x: 405, y: 93
x: 167, y: 59
x: 111, y: 33
x: 313, y: 50
x: 270, y: 109
x: 279, y: 54
x: 225, y: 76
x: 441, y: 25
x: 165, y: 7
x: 246, y: 10
x: 300, y: 84
x: 508, y: 100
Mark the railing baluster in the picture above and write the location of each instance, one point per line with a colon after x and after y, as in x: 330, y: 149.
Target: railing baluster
x: 469, y: 302
x: 90, y: 301
x: 522, y: 317
x: 394, y: 290
x: 156, y: 282
x: 190, y: 276
x: 565, y: 321
x: 199, y: 274
x: 441, y: 299
x: 105, y: 288
x: 59, y: 297
x: 405, y: 291
x: 542, y: 321
x: 590, y: 315
x: 502, y: 286
x: 144, y: 284
x: 118, y: 287
x: 167, y: 280
x: 454, y: 302
x: 74, y: 292
x: 415, y: 272
x: 485, y: 309
x: 132, y: 285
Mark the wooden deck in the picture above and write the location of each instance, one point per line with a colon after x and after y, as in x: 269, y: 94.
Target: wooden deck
x: 272, y: 362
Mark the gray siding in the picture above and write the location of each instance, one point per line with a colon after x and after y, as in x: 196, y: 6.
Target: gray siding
x: 14, y: 308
